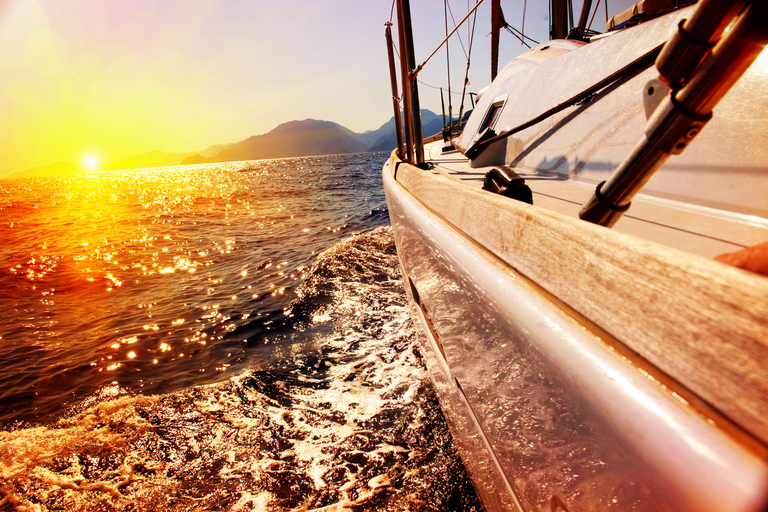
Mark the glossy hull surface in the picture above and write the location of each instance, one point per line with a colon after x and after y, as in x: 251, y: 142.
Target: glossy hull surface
x: 547, y: 416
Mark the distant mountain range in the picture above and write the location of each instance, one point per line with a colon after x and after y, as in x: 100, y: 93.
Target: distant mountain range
x: 294, y: 138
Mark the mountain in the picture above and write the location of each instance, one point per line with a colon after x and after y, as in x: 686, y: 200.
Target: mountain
x: 213, y: 150
x: 205, y: 156
x: 197, y: 158
x: 294, y: 138
x: 55, y: 169
x: 152, y: 159
x: 385, y: 138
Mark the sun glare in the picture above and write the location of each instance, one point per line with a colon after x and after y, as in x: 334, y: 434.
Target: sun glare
x: 91, y: 162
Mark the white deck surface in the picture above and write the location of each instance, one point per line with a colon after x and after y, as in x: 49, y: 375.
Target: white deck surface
x: 695, y: 229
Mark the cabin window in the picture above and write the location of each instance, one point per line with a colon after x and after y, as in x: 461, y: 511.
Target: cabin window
x: 494, y: 112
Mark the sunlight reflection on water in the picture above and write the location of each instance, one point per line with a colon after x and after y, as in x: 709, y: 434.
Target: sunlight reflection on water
x: 162, y: 278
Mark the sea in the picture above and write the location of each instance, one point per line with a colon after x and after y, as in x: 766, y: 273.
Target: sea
x: 229, y: 336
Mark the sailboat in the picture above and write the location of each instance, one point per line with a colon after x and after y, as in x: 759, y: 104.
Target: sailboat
x: 583, y: 260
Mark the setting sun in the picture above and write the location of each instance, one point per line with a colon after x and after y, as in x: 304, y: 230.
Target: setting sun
x: 91, y: 162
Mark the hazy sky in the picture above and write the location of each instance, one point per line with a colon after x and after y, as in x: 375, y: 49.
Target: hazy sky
x: 115, y: 78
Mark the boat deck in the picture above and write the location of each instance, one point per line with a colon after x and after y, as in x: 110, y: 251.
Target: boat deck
x: 695, y: 229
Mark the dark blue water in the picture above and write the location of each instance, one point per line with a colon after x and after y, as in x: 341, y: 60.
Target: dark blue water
x: 218, y: 337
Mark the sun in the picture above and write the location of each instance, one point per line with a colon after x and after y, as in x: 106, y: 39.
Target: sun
x: 91, y: 162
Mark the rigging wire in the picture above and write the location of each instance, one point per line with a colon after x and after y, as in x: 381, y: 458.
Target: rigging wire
x: 450, y: 11
x: 594, y: 13
x: 470, y: 42
x: 522, y: 28
x: 418, y: 69
x: 400, y: 99
x: 466, y: 75
x: 519, y: 35
x: 422, y: 82
x: 448, y: 66
x: 392, y: 12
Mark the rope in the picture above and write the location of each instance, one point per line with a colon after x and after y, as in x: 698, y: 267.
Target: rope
x: 392, y: 12
x: 455, y: 93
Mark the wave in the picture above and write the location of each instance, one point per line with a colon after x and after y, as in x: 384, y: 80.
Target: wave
x: 342, y: 417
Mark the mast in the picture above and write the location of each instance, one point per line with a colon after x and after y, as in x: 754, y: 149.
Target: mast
x: 559, y: 25
x: 497, y: 23
x: 410, y: 87
x: 579, y: 32
x: 408, y: 154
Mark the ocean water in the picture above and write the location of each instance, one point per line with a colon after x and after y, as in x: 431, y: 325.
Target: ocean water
x: 216, y: 337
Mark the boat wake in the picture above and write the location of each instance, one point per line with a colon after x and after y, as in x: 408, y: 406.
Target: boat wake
x: 343, y: 416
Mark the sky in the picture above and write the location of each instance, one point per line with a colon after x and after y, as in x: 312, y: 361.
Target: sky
x: 108, y: 79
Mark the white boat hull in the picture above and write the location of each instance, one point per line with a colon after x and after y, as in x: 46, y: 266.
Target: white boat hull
x: 543, y: 410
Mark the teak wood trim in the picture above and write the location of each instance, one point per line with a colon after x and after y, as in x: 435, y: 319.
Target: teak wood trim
x: 702, y: 323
